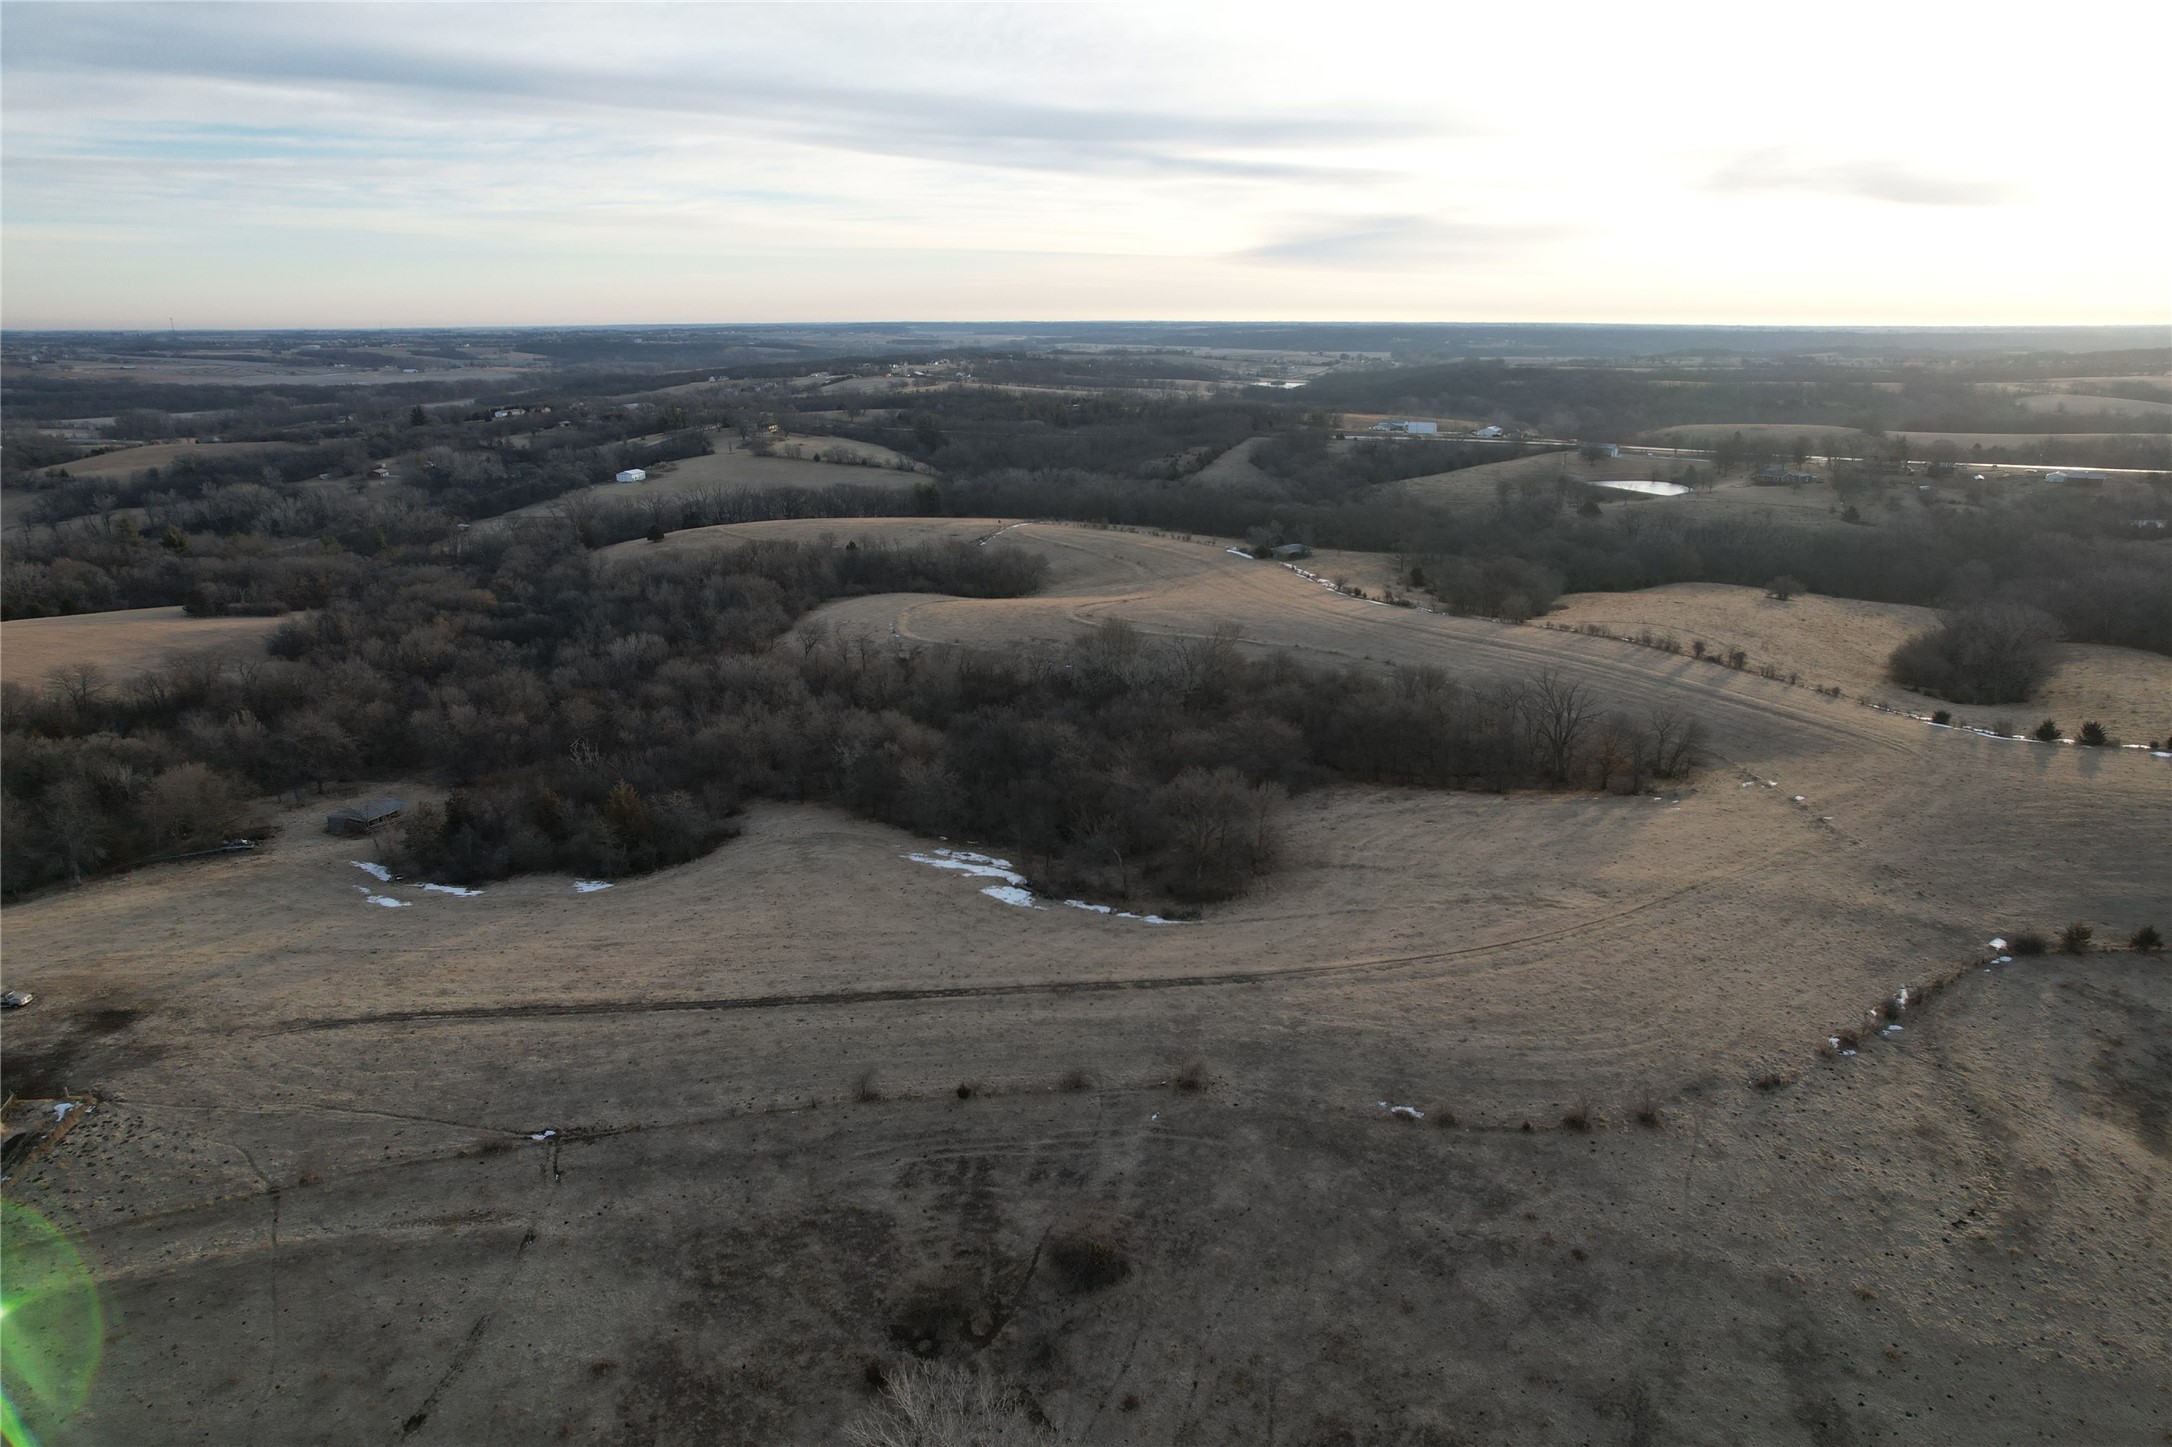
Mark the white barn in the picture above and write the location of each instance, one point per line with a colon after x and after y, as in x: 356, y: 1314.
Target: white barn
x: 632, y: 474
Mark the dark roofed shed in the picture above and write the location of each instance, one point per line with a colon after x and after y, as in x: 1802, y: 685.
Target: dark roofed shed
x: 363, y: 817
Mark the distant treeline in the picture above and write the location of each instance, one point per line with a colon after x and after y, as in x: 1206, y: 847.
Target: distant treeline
x: 1605, y: 402
x: 607, y: 720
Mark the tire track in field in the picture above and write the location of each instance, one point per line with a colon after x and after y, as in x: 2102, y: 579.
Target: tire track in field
x: 906, y: 994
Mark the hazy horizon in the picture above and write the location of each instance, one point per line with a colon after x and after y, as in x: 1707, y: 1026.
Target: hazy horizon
x: 213, y: 167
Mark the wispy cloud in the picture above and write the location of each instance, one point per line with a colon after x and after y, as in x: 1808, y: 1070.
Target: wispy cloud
x: 719, y: 91
x: 1782, y: 168
x: 1400, y: 243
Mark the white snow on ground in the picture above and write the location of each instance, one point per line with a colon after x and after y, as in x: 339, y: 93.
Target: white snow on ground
x: 1998, y: 944
x: 1115, y: 913
x: 377, y: 871
x: 1240, y: 552
x: 1407, y: 1112
x: 62, y: 1107
x: 982, y: 866
x: 387, y: 901
x: 1984, y: 733
x: 452, y: 889
x: 1649, y: 489
x: 589, y: 886
x: 999, y: 532
x: 1012, y: 890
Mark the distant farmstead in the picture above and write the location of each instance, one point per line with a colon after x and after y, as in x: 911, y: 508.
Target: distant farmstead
x: 1407, y: 428
x: 1487, y: 432
x: 361, y: 818
x: 632, y: 474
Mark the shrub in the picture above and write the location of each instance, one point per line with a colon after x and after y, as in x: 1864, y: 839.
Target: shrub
x: 867, y: 1089
x: 2028, y: 942
x: 967, y: 1089
x: 1942, y: 717
x: 2048, y: 731
x: 1993, y: 653
x: 1783, y: 587
x: 1088, y: 1260
x: 1646, y: 1111
x: 1580, y: 1116
x: 2146, y: 939
x: 1780, y: 1079
x: 938, y: 1404
x: 1191, y: 1076
x: 1075, y: 1079
x: 2092, y: 734
x: 2075, y: 937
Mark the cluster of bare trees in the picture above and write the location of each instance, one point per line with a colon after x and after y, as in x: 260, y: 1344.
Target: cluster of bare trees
x: 1987, y: 653
x: 612, y: 720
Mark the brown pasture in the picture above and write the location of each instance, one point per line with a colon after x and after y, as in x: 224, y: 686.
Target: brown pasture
x: 674, y: 1162
x: 119, y: 643
x: 125, y: 462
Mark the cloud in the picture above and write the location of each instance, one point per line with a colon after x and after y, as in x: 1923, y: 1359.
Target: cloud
x: 1781, y: 168
x: 1399, y: 243
x: 700, y: 85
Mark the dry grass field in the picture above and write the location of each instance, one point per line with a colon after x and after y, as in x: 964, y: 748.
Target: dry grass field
x: 1841, y: 441
x: 125, y: 462
x: 677, y: 1161
x: 2084, y: 404
x: 732, y: 468
x: 120, y: 643
x: 1845, y: 642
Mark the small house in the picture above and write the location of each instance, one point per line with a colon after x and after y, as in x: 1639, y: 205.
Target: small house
x: 358, y: 819
x: 632, y: 474
x: 1487, y: 432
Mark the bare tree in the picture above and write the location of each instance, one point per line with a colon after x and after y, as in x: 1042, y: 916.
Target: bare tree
x: 1559, y: 714
x: 79, y: 685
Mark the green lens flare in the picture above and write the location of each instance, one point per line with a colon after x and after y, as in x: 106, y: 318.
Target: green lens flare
x: 51, y: 1326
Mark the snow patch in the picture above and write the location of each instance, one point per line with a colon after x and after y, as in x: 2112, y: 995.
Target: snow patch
x: 375, y: 871
x: 1997, y: 944
x: 965, y: 861
x: 452, y: 889
x: 1012, y: 890
x: 62, y: 1107
x: 1240, y: 552
x: 542, y: 1135
x: 1407, y: 1112
x: 589, y: 886
x: 387, y: 901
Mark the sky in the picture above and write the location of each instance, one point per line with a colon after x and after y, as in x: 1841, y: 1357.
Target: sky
x: 486, y: 164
